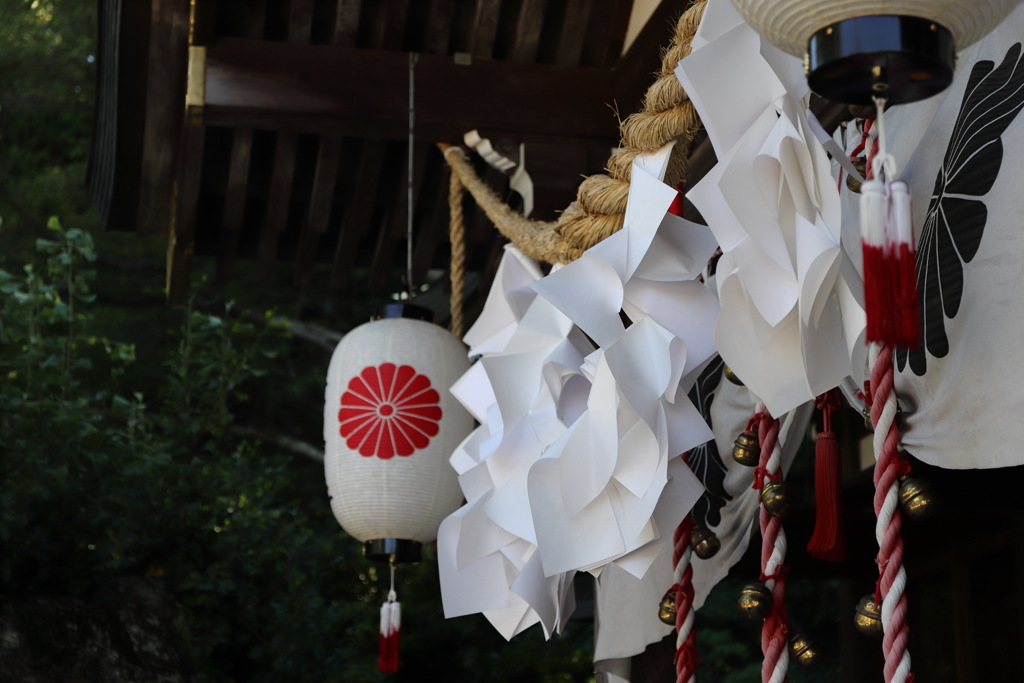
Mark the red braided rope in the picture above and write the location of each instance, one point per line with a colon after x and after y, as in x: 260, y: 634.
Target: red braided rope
x: 686, y: 639
x: 888, y: 468
x: 773, y: 551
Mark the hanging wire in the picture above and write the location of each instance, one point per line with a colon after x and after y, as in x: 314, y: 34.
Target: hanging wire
x: 413, y: 58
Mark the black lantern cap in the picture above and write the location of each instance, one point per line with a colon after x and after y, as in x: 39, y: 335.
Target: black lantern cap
x: 393, y: 550
x: 407, y: 310
x: 899, y: 58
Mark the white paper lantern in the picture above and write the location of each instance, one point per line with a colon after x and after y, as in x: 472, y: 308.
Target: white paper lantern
x: 901, y: 49
x: 390, y: 425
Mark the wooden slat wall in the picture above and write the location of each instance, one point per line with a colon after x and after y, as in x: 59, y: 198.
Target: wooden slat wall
x: 285, y: 188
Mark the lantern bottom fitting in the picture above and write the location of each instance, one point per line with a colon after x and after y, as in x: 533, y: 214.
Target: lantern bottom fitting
x: 899, y: 58
x: 393, y: 550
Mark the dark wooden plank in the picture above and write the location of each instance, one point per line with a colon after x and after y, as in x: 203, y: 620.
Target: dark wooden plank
x: 322, y: 198
x: 385, y: 255
x: 637, y: 69
x: 357, y: 219
x: 346, y: 22
x: 439, y: 27
x: 485, y: 27
x: 234, y: 201
x: 389, y: 28
x: 364, y: 93
x: 237, y: 190
x: 165, y: 92
x: 618, y: 22
x: 277, y: 204
x: 528, y: 31
x: 300, y: 20
x: 203, y: 22
x: 570, y: 39
x: 433, y: 233
x: 181, y: 245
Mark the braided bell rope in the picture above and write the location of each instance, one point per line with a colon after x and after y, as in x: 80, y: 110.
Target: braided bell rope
x: 598, y: 211
x: 773, y: 556
x: 889, y: 521
x: 686, y: 637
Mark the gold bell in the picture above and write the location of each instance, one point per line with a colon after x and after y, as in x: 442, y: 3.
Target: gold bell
x: 852, y: 183
x: 755, y: 601
x: 867, y: 617
x: 916, y: 498
x: 704, y: 542
x: 746, y: 450
x: 777, y: 497
x: 732, y: 377
x: 801, y: 648
x: 667, y: 609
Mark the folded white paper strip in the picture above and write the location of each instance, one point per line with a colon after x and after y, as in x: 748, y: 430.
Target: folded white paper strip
x: 791, y: 324
x: 574, y: 466
x: 729, y: 507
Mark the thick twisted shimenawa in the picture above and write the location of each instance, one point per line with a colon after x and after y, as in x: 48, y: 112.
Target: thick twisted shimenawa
x: 600, y: 203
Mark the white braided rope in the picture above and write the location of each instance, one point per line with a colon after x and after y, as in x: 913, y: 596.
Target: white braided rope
x: 892, y: 597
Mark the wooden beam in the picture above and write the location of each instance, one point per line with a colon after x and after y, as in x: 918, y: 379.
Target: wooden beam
x: 346, y: 23
x: 528, y: 29
x: 638, y: 68
x: 325, y: 178
x: 485, y: 27
x: 165, y: 113
x: 364, y: 93
x: 234, y: 201
x: 570, y: 42
x: 394, y: 232
x: 360, y: 211
x: 439, y: 23
x: 181, y: 244
x: 279, y: 198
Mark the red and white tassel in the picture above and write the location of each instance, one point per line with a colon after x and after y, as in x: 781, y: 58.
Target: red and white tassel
x: 887, y: 237
x: 390, y: 626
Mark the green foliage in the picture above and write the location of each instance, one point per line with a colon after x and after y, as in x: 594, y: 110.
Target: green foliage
x: 100, y: 479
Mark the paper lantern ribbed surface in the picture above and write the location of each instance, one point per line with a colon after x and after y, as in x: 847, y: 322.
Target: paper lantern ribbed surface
x: 390, y: 425
x: 789, y: 24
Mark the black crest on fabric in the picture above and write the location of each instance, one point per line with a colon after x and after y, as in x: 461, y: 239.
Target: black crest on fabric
x: 705, y: 460
x: 955, y: 222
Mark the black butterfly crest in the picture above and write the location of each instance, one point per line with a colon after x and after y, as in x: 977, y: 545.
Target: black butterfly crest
x: 705, y: 460
x: 955, y: 222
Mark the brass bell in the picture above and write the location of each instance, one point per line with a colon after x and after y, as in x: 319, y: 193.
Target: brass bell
x: 704, y: 542
x: 801, y: 648
x: 862, y: 111
x: 667, y: 609
x: 731, y: 376
x: 916, y: 498
x: 777, y: 498
x: 755, y: 601
x: 867, y: 617
x: 746, y: 450
x: 852, y: 183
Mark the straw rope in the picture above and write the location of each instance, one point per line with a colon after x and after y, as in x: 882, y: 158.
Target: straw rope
x: 456, y: 235
x: 667, y: 116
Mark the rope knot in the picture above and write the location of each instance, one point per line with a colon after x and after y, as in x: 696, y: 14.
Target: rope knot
x: 761, y: 474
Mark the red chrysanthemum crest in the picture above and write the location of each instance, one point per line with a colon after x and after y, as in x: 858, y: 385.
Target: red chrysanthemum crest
x: 389, y: 410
